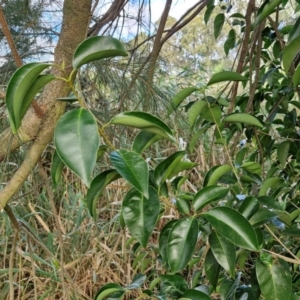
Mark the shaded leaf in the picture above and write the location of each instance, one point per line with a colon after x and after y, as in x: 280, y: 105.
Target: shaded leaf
x: 108, y: 290
x: 283, y: 152
x: 218, y: 24
x: 133, y: 168
x: 180, y: 97
x: 194, y: 295
x: 195, y: 111
x: 172, y: 286
x: 140, y: 214
x: 77, y: 141
x: 143, y: 140
x: 249, y: 207
x: 266, y: 9
x: 233, y: 226
x: 268, y: 183
x: 181, y: 243
x: 212, y: 268
x: 230, y: 42
x: 252, y: 167
x: 289, y: 52
x: 163, y: 240
x: 243, y: 118
x: 262, y: 216
x: 217, y: 173
x: 208, y: 13
x: 56, y: 168
x: 97, y: 47
x: 226, y: 76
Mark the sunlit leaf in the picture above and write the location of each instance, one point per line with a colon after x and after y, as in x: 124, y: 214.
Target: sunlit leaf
x: 77, y: 141
x: 97, y: 47
x: 195, y: 111
x: 109, y: 290
x: 267, y: 184
x: 194, y: 295
x: 226, y: 76
x: 216, y: 173
x: 143, y: 121
x: 232, y: 225
x: 180, y: 97
x: 133, y: 168
x: 252, y: 167
x: 266, y: 9
x: 243, y: 118
x: 140, y: 214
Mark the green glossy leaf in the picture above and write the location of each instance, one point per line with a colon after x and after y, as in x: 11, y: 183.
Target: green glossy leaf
x: 97, y: 187
x: 22, y: 87
x: 211, y: 113
x: 228, y: 287
x: 266, y: 9
x: 208, y: 195
x: 233, y: 226
x: 183, y: 205
x: 268, y: 183
x: 109, y: 289
x: 262, y: 216
x: 56, y: 168
x: 143, y: 121
x: 194, y: 295
x: 218, y: 24
x: 274, y: 279
x: 143, y: 140
x: 224, y: 252
x: 217, y: 173
x: 140, y: 214
x: 180, y: 167
x: 163, y: 240
x: 243, y: 118
x: 97, y: 47
x: 230, y: 42
x: 249, y: 207
x: 252, y: 167
x: 283, y: 152
x: 296, y: 76
x: 270, y: 202
x: 226, y: 76
x: 195, y: 111
x: 212, y: 268
x: 197, y: 136
x: 295, y: 32
x: 137, y: 282
x: 166, y: 167
x: 289, y: 52
x: 133, y: 168
x: 208, y: 13
x: 181, y: 243
x: 77, y: 141
x: 180, y: 97
x: 172, y: 286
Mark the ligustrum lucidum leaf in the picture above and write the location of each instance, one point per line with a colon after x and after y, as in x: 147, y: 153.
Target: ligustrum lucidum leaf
x: 216, y: 174
x: 97, y: 47
x: 163, y: 240
x: 140, y: 214
x: 208, y: 195
x: 230, y: 42
x: 212, y: 268
x: 194, y: 295
x: 232, y: 225
x: 283, y: 152
x: 274, y: 279
x: 218, y: 24
x: 133, y: 168
x: 96, y: 189
x: 181, y: 243
x: 109, y: 289
x: 77, y: 141
x: 144, y: 121
x: 289, y: 52
x: 243, y: 118
x: 195, y: 110
x: 226, y: 76
x: 266, y: 9
x: 22, y: 87
x: 143, y: 140
x: 56, y: 168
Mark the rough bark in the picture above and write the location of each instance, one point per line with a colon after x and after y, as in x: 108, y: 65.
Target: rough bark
x: 76, y: 16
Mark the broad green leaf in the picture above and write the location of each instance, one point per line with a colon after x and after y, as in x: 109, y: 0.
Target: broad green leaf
x: 240, y: 156
x: 172, y: 286
x: 183, y: 205
x: 249, y: 207
x: 218, y: 24
x: 233, y: 226
x: 143, y: 140
x: 269, y: 183
x: 252, y: 167
x: 140, y: 214
x: 143, y: 121
x: 97, y: 47
x: 208, y: 195
x: 208, y: 13
x: 289, y: 53
x: 266, y: 9
x: 77, y: 141
x: 230, y: 42
x: 211, y: 113
x: 108, y: 290
x: 197, y: 136
x: 180, y: 167
x: 226, y: 76
x: 180, y: 97
x: 163, y: 240
x: 270, y: 202
x: 217, y: 173
x: 283, y: 152
x: 295, y: 32
x: 296, y: 76
x: 212, y: 268
x: 166, y: 167
x: 182, y: 241
x: 56, y: 168
x: 262, y: 216
x: 194, y: 295
x: 137, y: 282
x: 21, y: 90
x: 274, y: 279
x: 228, y: 287
x: 97, y: 187
x: 133, y: 168
x: 224, y: 252
x: 243, y: 118
x: 195, y: 111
